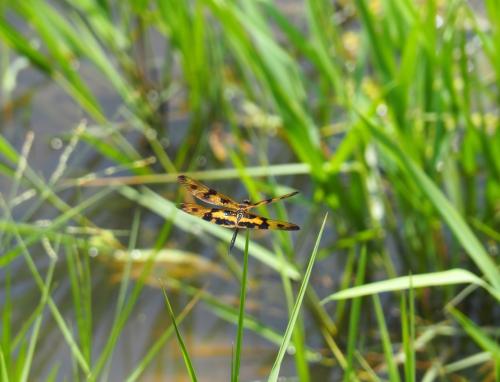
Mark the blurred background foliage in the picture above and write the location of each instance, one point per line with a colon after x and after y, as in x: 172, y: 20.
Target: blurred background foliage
x: 384, y: 113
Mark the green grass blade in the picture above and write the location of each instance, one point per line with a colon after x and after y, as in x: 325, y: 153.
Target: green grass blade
x: 457, y: 224
x: 354, y: 318
x: 472, y: 361
x: 81, y: 298
x: 7, y: 150
x: 407, y: 328
x: 239, y: 336
x: 52, y: 376
x: 134, y: 233
x: 477, y: 334
x: 230, y: 314
x: 273, y: 377
x: 6, y: 341
x: 68, y: 336
x: 386, y: 340
x: 111, y: 147
x: 63, y: 327
x: 160, y: 342
x: 453, y: 276
x: 3, y: 367
x: 54, y: 225
x: 185, y: 354
x: 60, y: 66
x: 297, y: 340
x: 274, y: 70
x: 19, y: 43
x: 36, y: 327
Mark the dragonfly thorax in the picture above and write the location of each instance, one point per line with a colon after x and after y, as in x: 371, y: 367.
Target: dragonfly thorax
x: 239, y: 214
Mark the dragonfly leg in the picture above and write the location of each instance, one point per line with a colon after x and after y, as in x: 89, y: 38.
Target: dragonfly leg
x: 233, y: 239
x: 239, y: 216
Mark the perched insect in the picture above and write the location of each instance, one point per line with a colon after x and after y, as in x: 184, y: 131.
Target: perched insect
x: 231, y: 214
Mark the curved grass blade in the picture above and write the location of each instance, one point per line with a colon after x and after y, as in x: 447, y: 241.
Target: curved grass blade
x: 185, y: 355
x: 453, y: 276
x: 157, y: 346
x: 273, y: 376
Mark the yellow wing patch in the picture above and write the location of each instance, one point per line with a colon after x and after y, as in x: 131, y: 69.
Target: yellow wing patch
x: 260, y: 222
x: 224, y: 218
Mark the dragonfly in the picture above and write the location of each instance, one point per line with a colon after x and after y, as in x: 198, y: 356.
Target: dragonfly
x: 230, y: 213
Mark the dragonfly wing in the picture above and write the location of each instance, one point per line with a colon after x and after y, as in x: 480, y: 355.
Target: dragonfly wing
x: 271, y: 200
x: 207, y: 194
x: 224, y: 218
x: 260, y: 222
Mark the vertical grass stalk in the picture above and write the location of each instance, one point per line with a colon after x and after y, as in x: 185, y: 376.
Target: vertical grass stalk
x: 241, y: 315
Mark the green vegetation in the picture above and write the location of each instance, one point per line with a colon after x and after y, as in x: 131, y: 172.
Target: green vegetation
x: 384, y: 114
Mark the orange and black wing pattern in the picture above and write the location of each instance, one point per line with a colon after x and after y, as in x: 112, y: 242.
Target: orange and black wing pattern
x: 260, y: 222
x: 207, y: 194
x: 271, y: 200
x: 228, y: 218
x: 224, y: 218
x: 232, y: 214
